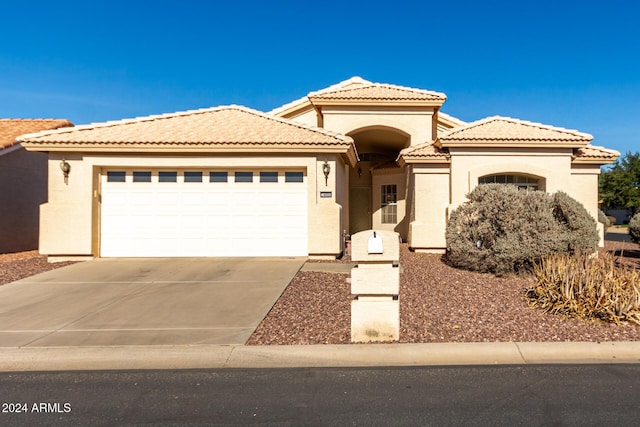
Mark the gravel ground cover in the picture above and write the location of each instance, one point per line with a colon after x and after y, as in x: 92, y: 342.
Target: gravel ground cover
x: 19, y: 265
x: 438, y: 303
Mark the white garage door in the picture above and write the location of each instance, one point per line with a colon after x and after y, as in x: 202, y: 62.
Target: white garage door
x: 176, y: 213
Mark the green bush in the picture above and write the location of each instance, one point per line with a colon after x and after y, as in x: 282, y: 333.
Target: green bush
x: 503, y: 230
x: 634, y: 228
x: 604, y: 219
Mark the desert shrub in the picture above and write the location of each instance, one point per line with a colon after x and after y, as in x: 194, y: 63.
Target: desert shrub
x: 634, y: 228
x: 582, y: 232
x: 502, y: 230
x: 587, y: 287
x: 602, y: 218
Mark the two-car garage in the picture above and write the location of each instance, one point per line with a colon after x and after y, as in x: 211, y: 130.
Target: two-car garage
x: 217, y: 182
x: 203, y: 212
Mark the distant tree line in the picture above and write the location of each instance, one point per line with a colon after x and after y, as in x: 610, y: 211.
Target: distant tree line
x: 619, y: 185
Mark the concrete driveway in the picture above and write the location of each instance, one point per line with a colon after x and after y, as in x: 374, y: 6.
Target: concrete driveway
x: 143, y: 301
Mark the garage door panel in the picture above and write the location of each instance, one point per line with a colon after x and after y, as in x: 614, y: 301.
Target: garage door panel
x: 204, y: 219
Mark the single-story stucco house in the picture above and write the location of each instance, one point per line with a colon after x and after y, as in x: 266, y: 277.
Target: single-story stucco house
x: 232, y: 181
x: 23, y: 184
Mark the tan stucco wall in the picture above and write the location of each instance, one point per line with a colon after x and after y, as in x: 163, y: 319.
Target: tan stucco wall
x: 433, y: 203
x: 583, y: 187
x: 23, y: 187
x: 416, y: 122
x: 467, y: 165
x: 70, y: 220
x: 430, y: 210
x: 308, y: 116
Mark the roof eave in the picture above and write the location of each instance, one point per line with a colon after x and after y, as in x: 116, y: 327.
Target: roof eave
x: 510, y: 143
x: 374, y: 103
x: 199, y: 148
x: 593, y: 160
x: 406, y: 160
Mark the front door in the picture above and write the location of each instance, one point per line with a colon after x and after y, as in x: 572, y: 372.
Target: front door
x: 359, y: 209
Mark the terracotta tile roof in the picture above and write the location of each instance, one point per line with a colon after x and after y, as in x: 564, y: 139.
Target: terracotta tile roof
x: 500, y: 130
x: 594, y: 154
x: 10, y: 129
x: 225, y: 126
x: 363, y: 90
x: 357, y: 89
x: 427, y: 152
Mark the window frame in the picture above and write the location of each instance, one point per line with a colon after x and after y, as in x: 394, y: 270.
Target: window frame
x: 118, y: 176
x: 142, y: 177
x: 294, y: 177
x: 217, y: 177
x: 389, y: 203
x: 243, y: 177
x: 192, y: 177
x: 163, y: 175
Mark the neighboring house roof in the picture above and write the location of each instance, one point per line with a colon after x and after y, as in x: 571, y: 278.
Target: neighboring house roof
x: 427, y: 152
x: 357, y: 90
x: 10, y: 129
x: 593, y: 154
x: 227, y: 129
x: 499, y: 131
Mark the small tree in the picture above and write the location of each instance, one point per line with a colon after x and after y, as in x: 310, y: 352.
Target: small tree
x: 634, y: 228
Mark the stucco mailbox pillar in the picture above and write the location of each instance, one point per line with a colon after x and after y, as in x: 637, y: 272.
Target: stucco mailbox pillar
x: 375, y: 285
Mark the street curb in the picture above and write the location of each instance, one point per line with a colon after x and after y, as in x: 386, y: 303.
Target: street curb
x: 318, y: 356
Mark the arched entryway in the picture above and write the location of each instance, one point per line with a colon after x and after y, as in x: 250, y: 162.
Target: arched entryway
x: 376, y: 183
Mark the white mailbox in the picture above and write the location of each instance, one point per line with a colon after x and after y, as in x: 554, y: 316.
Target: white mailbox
x: 374, y: 245
x: 375, y: 284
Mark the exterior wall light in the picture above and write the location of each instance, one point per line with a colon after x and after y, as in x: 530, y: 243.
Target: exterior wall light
x: 326, y: 169
x: 65, y: 167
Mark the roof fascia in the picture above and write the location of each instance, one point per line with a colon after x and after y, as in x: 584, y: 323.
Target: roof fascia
x: 511, y: 143
x: 410, y: 160
x: 178, y: 148
x: 386, y: 103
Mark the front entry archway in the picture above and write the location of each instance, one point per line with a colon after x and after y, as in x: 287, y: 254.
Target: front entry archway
x: 376, y: 146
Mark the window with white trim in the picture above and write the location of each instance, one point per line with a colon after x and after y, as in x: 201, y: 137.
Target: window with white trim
x: 389, y: 203
x: 523, y: 182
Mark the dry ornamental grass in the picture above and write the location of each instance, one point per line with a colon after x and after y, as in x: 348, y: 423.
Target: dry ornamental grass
x: 587, y: 287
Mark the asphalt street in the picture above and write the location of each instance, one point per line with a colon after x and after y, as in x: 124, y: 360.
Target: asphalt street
x: 568, y: 395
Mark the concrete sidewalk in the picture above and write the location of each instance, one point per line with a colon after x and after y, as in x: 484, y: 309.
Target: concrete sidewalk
x: 345, y: 355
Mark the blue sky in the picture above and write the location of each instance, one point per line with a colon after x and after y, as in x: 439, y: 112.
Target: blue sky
x: 574, y: 64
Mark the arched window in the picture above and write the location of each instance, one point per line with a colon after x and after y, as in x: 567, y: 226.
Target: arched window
x: 523, y: 182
